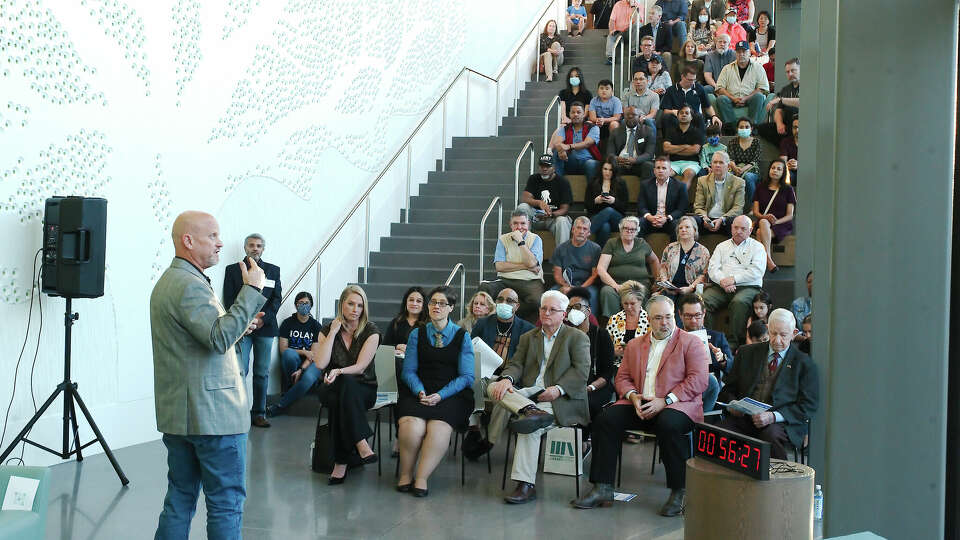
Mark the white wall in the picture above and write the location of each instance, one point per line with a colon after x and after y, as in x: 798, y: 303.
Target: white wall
x: 273, y: 116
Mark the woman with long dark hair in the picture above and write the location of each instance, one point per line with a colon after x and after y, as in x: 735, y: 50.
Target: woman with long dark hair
x: 576, y: 91
x: 773, y: 204
x: 606, y: 200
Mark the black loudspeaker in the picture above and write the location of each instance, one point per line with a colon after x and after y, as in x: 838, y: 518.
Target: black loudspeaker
x: 74, y: 246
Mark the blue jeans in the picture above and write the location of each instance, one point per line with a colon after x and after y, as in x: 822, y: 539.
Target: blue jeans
x: 290, y: 361
x: 573, y: 165
x: 755, y: 111
x: 653, y: 126
x: 262, y: 348
x: 215, y: 462
x: 750, y: 186
x: 679, y: 31
x: 603, y: 223
x: 711, y: 393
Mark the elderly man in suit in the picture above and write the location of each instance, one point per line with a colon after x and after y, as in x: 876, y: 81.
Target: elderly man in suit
x: 660, y: 380
x: 719, y: 196
x: 544, y: 383
x: 201, y: 401
x: 778, y: 374
x: 663, y: 200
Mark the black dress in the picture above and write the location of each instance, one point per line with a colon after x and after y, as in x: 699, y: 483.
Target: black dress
x: 436, y: 367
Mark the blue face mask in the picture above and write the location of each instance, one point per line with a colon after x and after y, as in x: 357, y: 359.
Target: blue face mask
x: 304, y: 309
x: 574, y: 81
x: 744, y: 132
x: 504, y: 311
x: 713, y: 141
x: 703, y: 18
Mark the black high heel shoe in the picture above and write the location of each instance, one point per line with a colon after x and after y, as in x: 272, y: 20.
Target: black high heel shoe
x: 404, y: 488
x: 417, y: 492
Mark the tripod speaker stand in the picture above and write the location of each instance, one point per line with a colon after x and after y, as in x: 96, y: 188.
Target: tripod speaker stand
x: 71, y: 398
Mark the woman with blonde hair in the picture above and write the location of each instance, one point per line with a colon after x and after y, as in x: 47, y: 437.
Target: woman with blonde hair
x: 479, y: 307
x: 631, y: 322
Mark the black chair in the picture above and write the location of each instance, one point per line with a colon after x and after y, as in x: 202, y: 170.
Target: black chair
x: 801, y: 454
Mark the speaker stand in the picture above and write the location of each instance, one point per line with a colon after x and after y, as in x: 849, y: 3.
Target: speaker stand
x: 70, y: 397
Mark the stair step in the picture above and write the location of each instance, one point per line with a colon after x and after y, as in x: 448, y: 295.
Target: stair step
x: 396, y: 274
x: 455, y: 230
x: 449, y: 189
x: 454, y: 216
x: 442, y: 202
x: 469, y: 257
x: 490, y: 142
x: 417, y: 244
x: 500, y: 177
x: 484, y: 164
x: 499, y: 152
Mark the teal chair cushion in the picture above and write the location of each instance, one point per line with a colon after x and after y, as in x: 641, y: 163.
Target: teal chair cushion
x: 22, y: 525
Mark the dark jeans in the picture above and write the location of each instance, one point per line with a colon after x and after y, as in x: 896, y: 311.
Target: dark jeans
x: 603, y: 223
x: 670, y: 426
x: 774, y: 434
x: 596, y: 400
x: 589, y: 167
x: 347, y: 401
x: 290, y: 361
x: 262, y: 349
x: 669, y: 227
x: 215, y: 462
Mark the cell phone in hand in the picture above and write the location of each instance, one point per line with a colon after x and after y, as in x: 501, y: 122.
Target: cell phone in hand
x: 606, y: 194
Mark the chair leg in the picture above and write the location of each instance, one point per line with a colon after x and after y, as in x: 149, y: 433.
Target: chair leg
x: 653, y: 461
x: 463, y: 468
x: 506, y: 459
x: 376, y: 435
x: 455, y: 441
x: 576, y: 457
x: 489, y: 468
x: 620, y: 463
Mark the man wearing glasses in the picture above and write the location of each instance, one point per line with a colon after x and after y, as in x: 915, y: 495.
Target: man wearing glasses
x: 692, y: 312
x: 544, y: 383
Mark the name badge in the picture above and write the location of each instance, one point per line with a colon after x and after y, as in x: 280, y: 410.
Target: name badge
x: 269, y: 284
x: 640, y: 141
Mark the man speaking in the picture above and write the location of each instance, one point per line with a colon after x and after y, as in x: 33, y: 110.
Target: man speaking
x: 201, y: 401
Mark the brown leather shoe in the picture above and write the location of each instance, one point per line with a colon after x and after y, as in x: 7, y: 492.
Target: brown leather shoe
x: 523, y: 494
x: 530, y: 419
x: 260, y: 421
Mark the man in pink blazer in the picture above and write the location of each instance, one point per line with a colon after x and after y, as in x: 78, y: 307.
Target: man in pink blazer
x: 661, y: 378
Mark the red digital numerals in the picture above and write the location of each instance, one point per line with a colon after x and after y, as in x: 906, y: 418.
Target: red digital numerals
x: 725, y: 449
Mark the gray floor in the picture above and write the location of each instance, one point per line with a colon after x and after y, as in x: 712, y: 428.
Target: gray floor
x: 286, y: 500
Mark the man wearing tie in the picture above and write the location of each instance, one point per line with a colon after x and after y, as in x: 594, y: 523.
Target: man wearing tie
x: 633, y: 144
x: 779, y: 375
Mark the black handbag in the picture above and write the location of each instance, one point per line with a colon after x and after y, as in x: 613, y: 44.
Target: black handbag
x: 321, y: 449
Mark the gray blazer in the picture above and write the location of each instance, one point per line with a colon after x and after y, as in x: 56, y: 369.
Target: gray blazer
x: 198, y: 389
x: 568, y: 367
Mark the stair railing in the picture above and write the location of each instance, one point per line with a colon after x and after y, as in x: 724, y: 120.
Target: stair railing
x: 613, y: 65
x: 634, y: 30
x: 546, y: 121
x: 516, y: 171
x: 483, y: 221
x: 364, y: 199
x: 463, y: 283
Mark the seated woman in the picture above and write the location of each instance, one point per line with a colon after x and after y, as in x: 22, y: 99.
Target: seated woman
x: 600, y: 380
x: 773, y: 205
x: 688, y: 57
x: 629, y: 323
x: 744, y: 152
x: 606, y: 200
x: 297, y: 345
x: 576, y: 91
x: 350, y: 385
x: 625, y: 258
x: 684, y: 262
x: 702, y: 31
x: 762, y: 306
x: 436, y: 395
x: 411, y: 315
x: 480, y: 306
x: 659, y: 77
x: 551, y: 50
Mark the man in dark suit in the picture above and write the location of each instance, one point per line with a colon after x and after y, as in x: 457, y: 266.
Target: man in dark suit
x: 544, y: 384
x: 633, y: 144
x: 260, y: 341
x: 692, y: 312
x: 662, y: 34
x: 778, y: 374
x: 662, y: 201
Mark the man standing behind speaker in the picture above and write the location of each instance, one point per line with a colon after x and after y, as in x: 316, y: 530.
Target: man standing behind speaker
x: 201, y: 401
x: 261, y: 340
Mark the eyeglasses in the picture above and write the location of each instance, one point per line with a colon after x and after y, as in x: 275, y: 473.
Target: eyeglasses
x: 550, y: 311
x: 691, y: 315
x: 438, y: 303
x: 581, y: 307
x: 511, y: 301
x: 662, y: 318
x: 628, y: 229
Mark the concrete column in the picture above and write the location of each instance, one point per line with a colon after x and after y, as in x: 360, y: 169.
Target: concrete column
x: 876, y: 174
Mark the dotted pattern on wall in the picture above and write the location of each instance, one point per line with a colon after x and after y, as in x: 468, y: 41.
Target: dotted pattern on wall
x: 121, y: 23
x: 34, y: 43
x: 75, y: 167
x: 13, y: 115
x: 185, y: 16
x: 11, y: 290
x: 158, y: 193
x: 237, y: 14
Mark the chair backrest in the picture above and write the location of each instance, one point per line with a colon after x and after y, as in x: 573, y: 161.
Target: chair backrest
x: 479, y: 392
x: 386, y: 368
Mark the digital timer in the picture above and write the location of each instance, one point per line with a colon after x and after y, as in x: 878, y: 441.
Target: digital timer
x: 732, y: 450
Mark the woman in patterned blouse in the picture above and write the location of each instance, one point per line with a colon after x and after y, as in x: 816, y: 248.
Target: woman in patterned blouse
x: 629, y: 323
x: 684, y: 262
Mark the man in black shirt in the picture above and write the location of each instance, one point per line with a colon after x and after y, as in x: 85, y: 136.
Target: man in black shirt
x: 785, y: 105
x: 601, y: 13
x: 688, y: 91
x: 682, y: 142
x: 546, y: 199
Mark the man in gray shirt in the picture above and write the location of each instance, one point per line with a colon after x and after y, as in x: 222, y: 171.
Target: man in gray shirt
x: 713, y: 63
x: 645, y: 101
x: 575, y: 262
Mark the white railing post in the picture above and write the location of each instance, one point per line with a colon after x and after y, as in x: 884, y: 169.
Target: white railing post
x: 406, y: 194
x: 463, y: 282
x: 443, y: 136
x: 483, y: 221
x: 516, y: 170
x: 466, y: 128
x: 366, y: 242
x: 546, y: 121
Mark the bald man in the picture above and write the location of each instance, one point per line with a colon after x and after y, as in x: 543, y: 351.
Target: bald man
x: 201, y: 401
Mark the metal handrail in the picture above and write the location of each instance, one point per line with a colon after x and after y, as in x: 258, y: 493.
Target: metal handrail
x: 406, y: 147
x: 634, y: 19
x: 483, y: 221
x: 546, y: 121
x: 463, y: 283
x: 613, y: 63
x: 516, y: 171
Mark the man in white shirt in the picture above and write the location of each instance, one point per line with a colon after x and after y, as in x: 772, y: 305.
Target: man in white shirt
x: 736, y: 273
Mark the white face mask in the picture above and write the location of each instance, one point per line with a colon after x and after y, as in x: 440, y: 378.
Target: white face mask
x: 732, y: 20
x: 504, y: 311
x: 576, y: 317
x: 703, y: 18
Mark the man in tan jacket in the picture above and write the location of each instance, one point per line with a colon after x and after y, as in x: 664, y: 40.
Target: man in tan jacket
x: 719, y: 196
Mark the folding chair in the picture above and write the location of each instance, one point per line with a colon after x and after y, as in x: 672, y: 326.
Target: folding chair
x: 385, y: 366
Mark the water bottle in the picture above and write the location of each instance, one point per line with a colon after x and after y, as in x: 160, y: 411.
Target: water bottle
x: 818, y: 503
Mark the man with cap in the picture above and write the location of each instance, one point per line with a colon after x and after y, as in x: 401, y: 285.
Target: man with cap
x: 546, y: 199
x: 574, y: 146
x: 742, y: 84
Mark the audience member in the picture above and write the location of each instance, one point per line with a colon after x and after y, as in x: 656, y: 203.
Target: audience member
x: 744, y: 152
x: 661, y: 379
x: 575, y: 262
x: 715, y: 9
x: 805, y: 336
x: 601, y: 10
x: 683, y: 142
x: 719, y: 197
x: 631, y: 321
x: 692, y: 312
x: 642, y: 59
x: 663, y: 200
x: 736, y: 272
x: 742, y: 84
x: 674, y: 16
x: 605, y: 109
x: 712, y: 146
x: 296, y: 344
x: 551, y: 365
x: 261, y: 340
x: 802, y: 306
x: 436, y: 396
x: 789, y: 149
x: 731, y: 28
x: 618, y: 25
x: 349, y: 386
x: 777, y: 374
x: 411, y: 315
x: 770, y: 67
x: 600, y: 387
x: 703, y: 29
x: 785, y: 105
x: 551, y: 50
x: 660, y: 79
x: 575, y: 92
x: 645, y: 101
x: 715, y: 60
x: 757, y: 333
x: 661, y: 34
x: 625, y: 258
x: 773, y: 206
x: 744, y: 10
x: 763, y: 37
x: 518, y: 259
x: 688, y: 91
x: 546, y: 200
x: 576, y: 18
x: 606, y: 200
x: 684, y: 262
x: 688, y: 57
x: 632, y: 145
x: 760, y: 308
x: 574, y: 146
x: 480, y: 306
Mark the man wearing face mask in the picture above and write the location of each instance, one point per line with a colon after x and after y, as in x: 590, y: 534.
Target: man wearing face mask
x: 546, y: 198
x: 600, y: 381
x: 296, y: 344
x: 731, y: 28
x: 261, y: 340
x: 776, y: 373
x: 660, y: 381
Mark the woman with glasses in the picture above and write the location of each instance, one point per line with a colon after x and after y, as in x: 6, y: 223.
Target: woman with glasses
x: 629, y: 323
x: 436, y: 396
x: 297, y: 344
x: 625, y: 258
x: 600, y: 385
x: 683, y: 265
x: 349, y: 387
